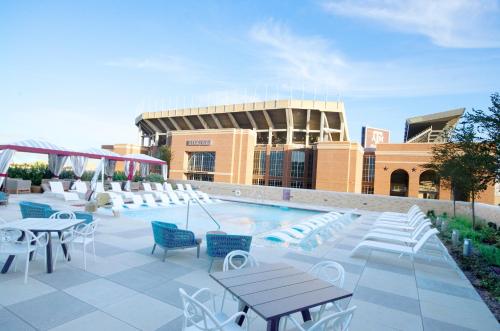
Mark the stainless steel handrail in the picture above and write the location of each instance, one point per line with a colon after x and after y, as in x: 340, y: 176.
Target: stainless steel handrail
x: 204, y: 209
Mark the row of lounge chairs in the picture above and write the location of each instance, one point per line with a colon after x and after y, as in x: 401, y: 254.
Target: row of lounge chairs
x: 311, y: 231
x: 163, y: 196
x: 406, y: 234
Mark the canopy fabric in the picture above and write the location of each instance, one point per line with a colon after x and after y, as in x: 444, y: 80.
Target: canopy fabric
x: 109, y: 168
x: 56, y: 163
x: 144, y: 169
x: 5, y: 159
x: 129, y: 169
x: 43, y: 147
x: 164, y: 172
x: 99, y: 168
x: 78, y: 163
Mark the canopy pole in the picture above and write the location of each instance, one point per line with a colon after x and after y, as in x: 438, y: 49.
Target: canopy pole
x: 102, y: 172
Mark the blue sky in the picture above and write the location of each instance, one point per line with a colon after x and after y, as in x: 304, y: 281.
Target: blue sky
x: 77, y: 73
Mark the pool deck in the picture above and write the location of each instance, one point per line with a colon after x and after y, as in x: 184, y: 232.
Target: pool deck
x: 127, y: 288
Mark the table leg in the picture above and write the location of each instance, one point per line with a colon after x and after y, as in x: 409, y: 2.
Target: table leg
x: 49, y: 255
x: 64, y: 247
x: 241, y: 319
x: 7, y: 263
x: 306, y: 315
x: 273, y: 325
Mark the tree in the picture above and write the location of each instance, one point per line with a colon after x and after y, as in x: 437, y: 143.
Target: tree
x: 488, y: 124
x: 165, y: 153
x: 464, y: 163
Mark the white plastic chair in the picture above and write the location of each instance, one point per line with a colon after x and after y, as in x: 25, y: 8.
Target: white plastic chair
x: 80, y: 235
x: 21, y: 242
x: 197, y: 316
x: 246, y: 260
x: 333, y: 273
x: 334, y: 322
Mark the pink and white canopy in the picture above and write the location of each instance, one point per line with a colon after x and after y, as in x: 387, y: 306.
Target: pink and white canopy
x: 58, y: 156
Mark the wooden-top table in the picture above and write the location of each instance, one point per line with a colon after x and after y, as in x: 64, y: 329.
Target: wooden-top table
x: 277, y: 290
x: 37, y: 225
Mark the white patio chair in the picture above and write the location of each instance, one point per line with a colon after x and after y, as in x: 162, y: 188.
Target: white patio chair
x: 334, y: 322
x: 198, y: 317
x: 246, y: 260
x: 21, y: 242
x: 80, y: 235
x: 333, y: 273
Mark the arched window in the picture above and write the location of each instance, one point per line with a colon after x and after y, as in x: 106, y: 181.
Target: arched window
x: 428, y: 185
x: 399, y: 183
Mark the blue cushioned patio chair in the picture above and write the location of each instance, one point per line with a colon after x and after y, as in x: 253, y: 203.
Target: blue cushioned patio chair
x: 219, y: 245
x: 4, y: 198
x: 168, y: 237
x: 41, y: 210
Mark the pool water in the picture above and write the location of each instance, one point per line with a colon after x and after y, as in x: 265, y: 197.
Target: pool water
x: 234, y: 217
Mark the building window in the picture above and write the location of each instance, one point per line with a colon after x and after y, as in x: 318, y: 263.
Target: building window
x: 201, y: 177
x: 367, y: 189
x: 297, y: 164
x: 259, y: 163
x: 275, y: 182
x: 201, y: 161
x: 369, y: 168
x: 259, y: 181
x: 368, y: 176
x: 296, y: 183
x: 276, y: 166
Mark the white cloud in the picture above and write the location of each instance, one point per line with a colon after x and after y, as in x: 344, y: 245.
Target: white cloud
x: 313, y: 63
x: 448, y: 23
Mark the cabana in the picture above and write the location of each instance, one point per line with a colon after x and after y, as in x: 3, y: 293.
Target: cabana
x: 57, y: 157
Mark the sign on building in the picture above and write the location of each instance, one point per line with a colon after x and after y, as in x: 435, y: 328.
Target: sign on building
x: 371, y: 137
x: 199, y: 142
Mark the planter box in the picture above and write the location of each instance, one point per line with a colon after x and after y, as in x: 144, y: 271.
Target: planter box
x: 36, y: 189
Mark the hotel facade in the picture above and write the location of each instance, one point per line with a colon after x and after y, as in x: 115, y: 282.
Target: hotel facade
x: 299, y: 144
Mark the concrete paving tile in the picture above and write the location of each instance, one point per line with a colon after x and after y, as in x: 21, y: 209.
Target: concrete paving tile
x: 386, y: 299
x: 14, y: 291
x: 167, y: 269
x: 96, y: 320
x: 9, y: 321
x: 435, y: 325
x: 50, y: 310
x: 143, y: 312
x: 374, y: 314
x: 131, y: 259
x: 100, y: 293
x: 65, y: 276
x: 444, y: 287
x: 395, y: 283
x: 137, y: 279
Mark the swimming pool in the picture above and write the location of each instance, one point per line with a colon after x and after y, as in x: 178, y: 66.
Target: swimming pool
x: 234, y: 217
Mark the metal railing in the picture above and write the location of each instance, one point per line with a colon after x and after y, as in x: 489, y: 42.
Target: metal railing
x: 203, y: 208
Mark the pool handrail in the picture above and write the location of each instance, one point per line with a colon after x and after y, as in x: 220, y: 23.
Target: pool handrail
x: 204, y: 209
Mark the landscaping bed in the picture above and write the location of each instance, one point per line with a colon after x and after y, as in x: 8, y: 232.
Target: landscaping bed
x: 482, y: 266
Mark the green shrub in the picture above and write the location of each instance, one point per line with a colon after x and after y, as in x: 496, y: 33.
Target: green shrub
x: 155, y: 178
x: 34, y: 172
x: 67, y: 174
x: 119, y: 176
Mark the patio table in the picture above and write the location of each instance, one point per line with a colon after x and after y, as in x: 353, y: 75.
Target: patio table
x: 37, y: 225
x: 277, y: 290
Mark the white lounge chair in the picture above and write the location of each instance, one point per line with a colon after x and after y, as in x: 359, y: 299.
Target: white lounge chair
x: 395, y: 248
x: 149, y: 200
x: 401, y: 220
x: 159, y: 187
x: 398, y: 239
x: 164, y: 199
x: 79, y: 188
x: 201, y: 194
x: 148, y: 189
x: 118, y: 203
x: 391, y: 215
x: 410, y: 226
x: 116, y: 188
x: 279, y: 236
x: 138, y: 201
x: 57, y: 190
x: 174, y: 198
